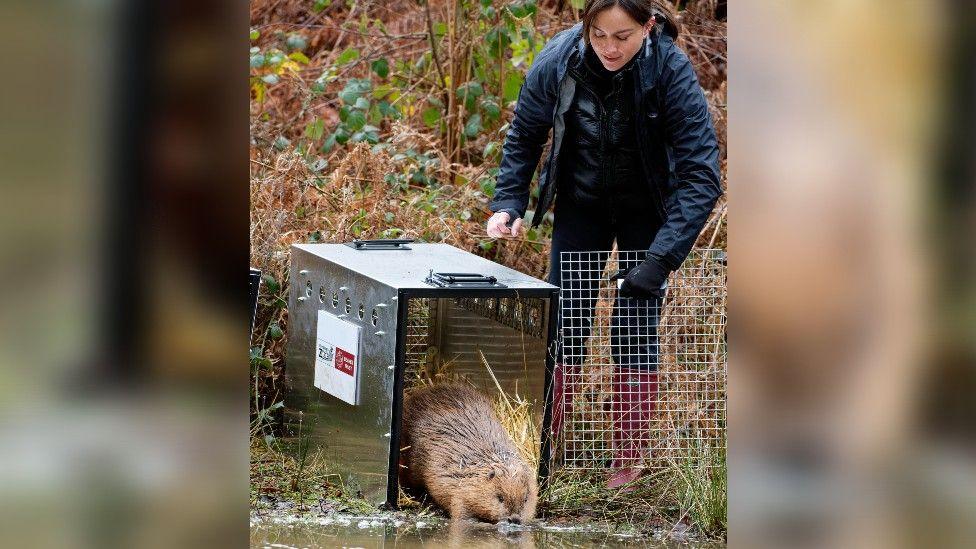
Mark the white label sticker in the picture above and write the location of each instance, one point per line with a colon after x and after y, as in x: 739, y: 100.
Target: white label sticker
x: 337, y: 357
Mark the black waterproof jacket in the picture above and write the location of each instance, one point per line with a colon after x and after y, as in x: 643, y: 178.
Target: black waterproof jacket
x: 679, y: 150
x: 604, y: 170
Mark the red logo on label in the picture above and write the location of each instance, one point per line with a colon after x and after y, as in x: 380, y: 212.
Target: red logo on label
x: 345, y: 362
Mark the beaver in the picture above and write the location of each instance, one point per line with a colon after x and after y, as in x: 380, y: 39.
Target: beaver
x: 456, y: 449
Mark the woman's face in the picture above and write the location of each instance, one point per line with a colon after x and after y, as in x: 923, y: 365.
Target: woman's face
x: 616, y: 37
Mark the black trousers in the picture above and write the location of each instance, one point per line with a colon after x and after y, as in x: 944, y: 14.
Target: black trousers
x: 591, y: 229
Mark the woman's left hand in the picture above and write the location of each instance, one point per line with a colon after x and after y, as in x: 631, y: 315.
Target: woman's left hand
x: 645, y: 280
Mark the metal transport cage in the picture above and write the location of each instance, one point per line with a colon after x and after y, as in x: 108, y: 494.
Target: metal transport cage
x: 369, y: 318
x: 643, y: 381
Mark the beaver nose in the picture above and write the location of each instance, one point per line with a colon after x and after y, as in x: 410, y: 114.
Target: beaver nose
x: 515, y: 520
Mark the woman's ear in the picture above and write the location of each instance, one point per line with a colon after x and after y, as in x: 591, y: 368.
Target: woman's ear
x: 649, y: 26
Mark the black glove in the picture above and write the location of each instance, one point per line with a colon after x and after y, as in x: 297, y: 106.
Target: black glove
x: 645, y: 280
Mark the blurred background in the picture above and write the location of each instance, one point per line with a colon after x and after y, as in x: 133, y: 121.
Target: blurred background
x: 123, y: 246
x: 852, y: 305
x: 123, y: 302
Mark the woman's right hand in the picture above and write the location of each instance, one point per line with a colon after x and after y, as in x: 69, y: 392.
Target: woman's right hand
x: 497, y: 226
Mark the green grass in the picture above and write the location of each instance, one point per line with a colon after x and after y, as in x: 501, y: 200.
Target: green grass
x: 691, y: 491
x: 285, y: 473
x: 701, y: 489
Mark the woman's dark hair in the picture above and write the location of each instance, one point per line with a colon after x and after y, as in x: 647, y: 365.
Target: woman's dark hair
x: 639, y: 10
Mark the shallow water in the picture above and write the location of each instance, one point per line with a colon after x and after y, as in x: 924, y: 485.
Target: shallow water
x: 391, y: 530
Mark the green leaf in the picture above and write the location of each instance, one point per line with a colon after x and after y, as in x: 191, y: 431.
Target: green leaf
x: 275, y: 57
x: 382, y: 91
x: 255, y: 34
x: 498, y: 40
x: 330, y: 143
x: 431, y: 116
x: 355, y: 89
x: 281, y: 143
x: 361, y: 103
x: 491, y: 109
x: 381, y: 67
x: 473, y: 126
x: 522, y: 8
x: 344, y: 113
x: 470, y: 89
x: 440, y: 29
x: 321, y: 5
x: 491, y: 150
x: 469, y: 92
x: 275, y: 331
x: 295, y: 41
x: 299, y: 57
x: 372, y: 134
x: 488, y: 186
x: 388, y: 110
x: 314, y: 130
x: 513, y: 83
x: 341, y: 136
x: 270, y: 284
x: 517, y: 9
x: 258, y: 60
x: 388, y: 217
x: 270, y: 79
x: 347, y: 56
x: 261, y: 362
x: 356, y: 120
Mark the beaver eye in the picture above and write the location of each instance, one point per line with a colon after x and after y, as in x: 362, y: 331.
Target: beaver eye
x: 500, y: 499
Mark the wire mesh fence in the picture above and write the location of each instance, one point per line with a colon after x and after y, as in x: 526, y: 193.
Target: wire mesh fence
x: 640, y: 382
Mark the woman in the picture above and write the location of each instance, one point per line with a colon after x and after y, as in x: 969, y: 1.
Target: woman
x: 634, y: 159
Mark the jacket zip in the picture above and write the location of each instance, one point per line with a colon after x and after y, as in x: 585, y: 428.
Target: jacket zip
x: 604, y: 133
x: 640, y: 143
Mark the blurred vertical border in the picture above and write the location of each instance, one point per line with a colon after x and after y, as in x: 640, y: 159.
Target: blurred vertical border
x: 852, y: 299
x: 124, y: 242
x: 123, y: 413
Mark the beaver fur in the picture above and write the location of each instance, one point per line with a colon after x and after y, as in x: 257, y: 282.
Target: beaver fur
x: 456, y: 449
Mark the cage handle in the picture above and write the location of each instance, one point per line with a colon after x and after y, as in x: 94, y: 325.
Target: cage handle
x: 381, y: 244
x: 462, y: 280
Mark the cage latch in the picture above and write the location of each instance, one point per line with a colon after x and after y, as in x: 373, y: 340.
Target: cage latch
x: 462, y: 280
x: 381, y: 244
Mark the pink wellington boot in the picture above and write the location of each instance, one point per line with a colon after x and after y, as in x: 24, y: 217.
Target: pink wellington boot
x: 632, y: 405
